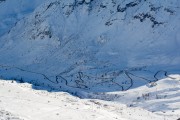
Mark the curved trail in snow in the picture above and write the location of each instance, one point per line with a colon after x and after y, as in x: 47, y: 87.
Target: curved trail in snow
x: 80, y: 83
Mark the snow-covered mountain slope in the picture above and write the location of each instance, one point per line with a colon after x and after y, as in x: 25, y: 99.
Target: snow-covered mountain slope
x: 162, y: 97
x: 11, y: 11
x: 20, y: 101
x: 69, y: 44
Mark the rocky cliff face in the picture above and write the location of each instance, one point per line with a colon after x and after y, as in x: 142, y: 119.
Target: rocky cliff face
x: 83, y: 43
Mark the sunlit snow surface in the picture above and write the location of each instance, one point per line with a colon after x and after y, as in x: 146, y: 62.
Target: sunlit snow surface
x: 20, y: 101
x: 122, y: 51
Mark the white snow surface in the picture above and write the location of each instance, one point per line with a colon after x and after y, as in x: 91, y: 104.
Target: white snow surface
x: 119, y: 51
x: 83, y: 43
x: 18, y: 101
